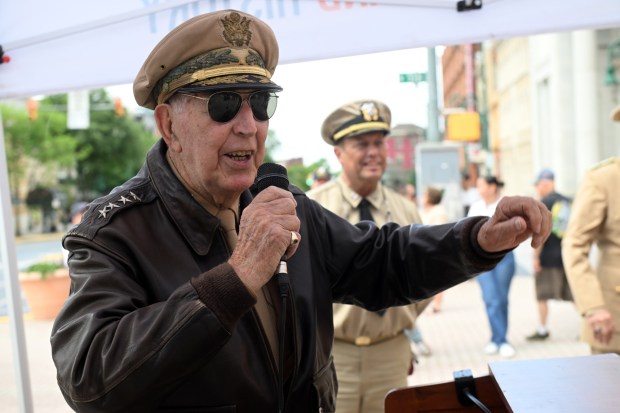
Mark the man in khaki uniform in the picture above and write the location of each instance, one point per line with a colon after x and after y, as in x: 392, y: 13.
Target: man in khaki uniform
x: 595, y: 217
x: 371, y: 352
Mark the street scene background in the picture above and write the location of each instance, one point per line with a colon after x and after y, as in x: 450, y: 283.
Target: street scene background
x: 537, y: 101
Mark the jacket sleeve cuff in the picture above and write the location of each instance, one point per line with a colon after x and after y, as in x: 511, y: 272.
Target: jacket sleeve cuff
x: 221, y: 290
x: 480, y: 258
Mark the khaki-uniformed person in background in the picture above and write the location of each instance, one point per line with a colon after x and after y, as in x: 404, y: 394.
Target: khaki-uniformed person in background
x: 595, y: 218
x: 371, y: 352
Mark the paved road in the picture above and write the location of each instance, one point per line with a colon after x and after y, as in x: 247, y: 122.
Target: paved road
x: 456, y: 336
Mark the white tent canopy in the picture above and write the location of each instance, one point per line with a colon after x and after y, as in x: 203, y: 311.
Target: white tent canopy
x: 61, y: 45
x: 57, y: 46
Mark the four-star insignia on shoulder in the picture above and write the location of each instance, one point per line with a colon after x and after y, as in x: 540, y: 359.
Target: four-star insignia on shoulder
x: 124, y: 199
x: 105, y: 209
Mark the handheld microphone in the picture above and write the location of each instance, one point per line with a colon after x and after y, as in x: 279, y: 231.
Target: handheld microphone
x: 271, y: 174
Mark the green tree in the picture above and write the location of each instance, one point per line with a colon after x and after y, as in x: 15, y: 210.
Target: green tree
x: 271, y: 146
x: 35, y: 149
x: 101, y: 157
x: 114, y: 148
x: 298, y: 174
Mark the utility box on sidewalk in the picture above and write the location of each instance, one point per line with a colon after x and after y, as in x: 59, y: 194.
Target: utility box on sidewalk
x: 438, y: 165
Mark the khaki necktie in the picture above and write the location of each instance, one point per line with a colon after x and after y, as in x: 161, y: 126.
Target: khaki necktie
x: 229, y: 222
x: 265, y: 306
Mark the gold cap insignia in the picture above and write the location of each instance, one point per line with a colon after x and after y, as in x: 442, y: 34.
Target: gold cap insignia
x: 356, y: 118
x: 236, y: 30
x: 370, y: 111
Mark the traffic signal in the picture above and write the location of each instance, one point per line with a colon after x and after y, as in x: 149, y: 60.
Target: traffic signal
x: 4, y: 58
x: 33, y: 109
x: 119, y: 110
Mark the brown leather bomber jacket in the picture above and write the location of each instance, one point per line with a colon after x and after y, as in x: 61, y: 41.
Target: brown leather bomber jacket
x: 157, y: 321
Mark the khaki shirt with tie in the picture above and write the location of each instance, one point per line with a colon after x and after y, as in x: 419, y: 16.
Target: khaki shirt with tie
x: 353, y: 323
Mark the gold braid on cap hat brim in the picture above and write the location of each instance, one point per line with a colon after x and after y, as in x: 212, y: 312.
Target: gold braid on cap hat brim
x: 216, y: 63
x: 360, y: 127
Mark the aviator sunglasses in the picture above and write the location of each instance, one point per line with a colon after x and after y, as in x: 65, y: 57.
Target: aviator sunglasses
x: 224, y: 106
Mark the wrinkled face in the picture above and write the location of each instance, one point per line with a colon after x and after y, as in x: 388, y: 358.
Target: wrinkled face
x: 220, y: 159
x: 363, y: 157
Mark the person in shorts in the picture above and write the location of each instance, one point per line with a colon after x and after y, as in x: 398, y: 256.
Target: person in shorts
x: 549, y: 275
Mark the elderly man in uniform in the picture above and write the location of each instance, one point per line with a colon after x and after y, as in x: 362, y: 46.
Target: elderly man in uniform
x: 595, y: 218
x: 371, y: 351
x: 174, y: 305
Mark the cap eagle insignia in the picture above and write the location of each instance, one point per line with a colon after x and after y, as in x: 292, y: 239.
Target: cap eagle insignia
x: 370, y: 111
x: 237, y: 30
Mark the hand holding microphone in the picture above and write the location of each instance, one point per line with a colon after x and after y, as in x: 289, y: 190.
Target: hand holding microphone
x: 268, y: 231
x: 272, y: 175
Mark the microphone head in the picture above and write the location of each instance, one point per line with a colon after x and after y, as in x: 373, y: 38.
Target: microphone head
x: 271, y: 174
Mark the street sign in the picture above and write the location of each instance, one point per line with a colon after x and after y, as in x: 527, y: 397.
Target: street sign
x: 413, y: 77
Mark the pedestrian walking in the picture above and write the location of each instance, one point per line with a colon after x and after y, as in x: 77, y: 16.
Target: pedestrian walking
x: 434, y: 213
x: 549, y: 276
x: 495, y: 284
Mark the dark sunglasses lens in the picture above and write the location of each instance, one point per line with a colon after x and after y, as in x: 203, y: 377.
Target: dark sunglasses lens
x: 223, y: 106
x: 263, y: 105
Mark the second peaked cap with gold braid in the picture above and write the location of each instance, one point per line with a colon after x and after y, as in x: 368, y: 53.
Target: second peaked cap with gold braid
x: 222, y: 50
x: 356, y: 118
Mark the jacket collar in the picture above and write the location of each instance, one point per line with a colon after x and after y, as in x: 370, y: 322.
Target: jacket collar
x: 197, y: 225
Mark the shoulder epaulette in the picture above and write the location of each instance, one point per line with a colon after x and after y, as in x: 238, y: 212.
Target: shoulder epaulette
x: 605, y: 162
x: 101, y: 212
x: 115, y: 203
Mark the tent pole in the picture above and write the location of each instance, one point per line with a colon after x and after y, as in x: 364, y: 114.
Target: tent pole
x: 9, y: 269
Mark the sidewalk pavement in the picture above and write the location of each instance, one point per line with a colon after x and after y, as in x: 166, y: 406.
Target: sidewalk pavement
x: 456, y: 336
x: 458, y: 333
x: 35, y: 237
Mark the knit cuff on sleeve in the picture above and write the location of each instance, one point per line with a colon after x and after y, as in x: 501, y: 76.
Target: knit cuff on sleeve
x: 221, y: 290
x: 480, y: 257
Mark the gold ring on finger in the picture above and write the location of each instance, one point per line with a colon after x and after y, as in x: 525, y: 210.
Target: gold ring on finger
x: 294, y: 238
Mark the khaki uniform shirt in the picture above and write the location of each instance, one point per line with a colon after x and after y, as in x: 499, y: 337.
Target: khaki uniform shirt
x: 595, y: 218
x: 352, y: 322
